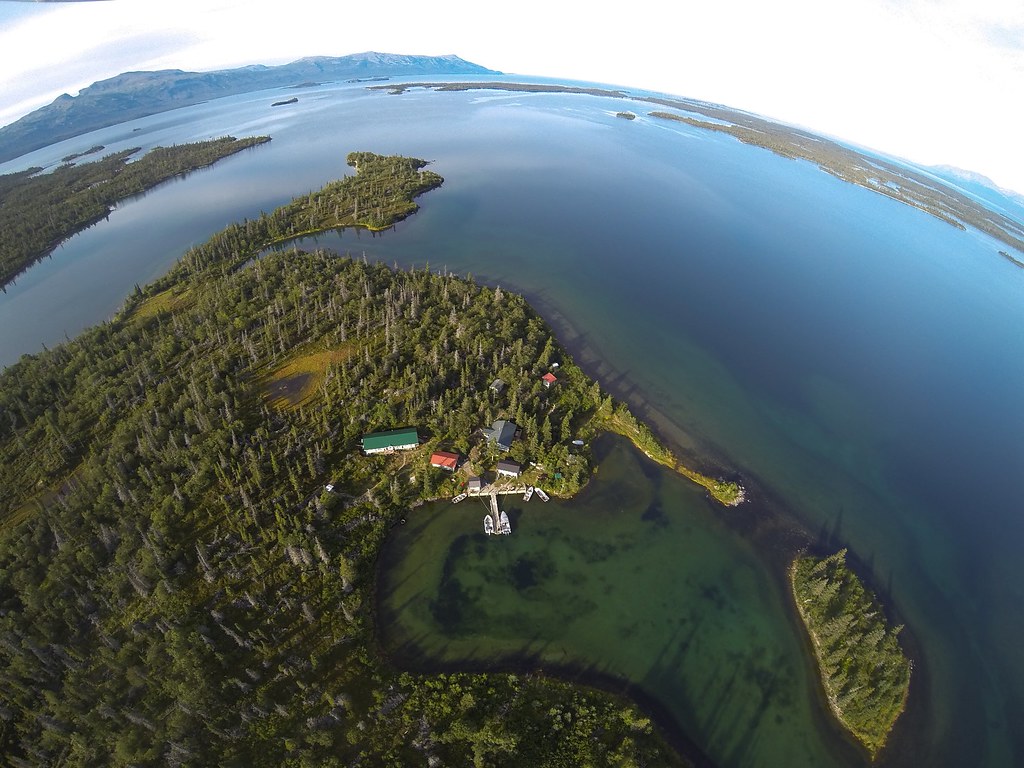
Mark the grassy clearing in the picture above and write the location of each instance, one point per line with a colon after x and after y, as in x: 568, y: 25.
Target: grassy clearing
x: 37, y: 503
x: 298, y: 380
x: 164, y: 302
x: 19, y: 514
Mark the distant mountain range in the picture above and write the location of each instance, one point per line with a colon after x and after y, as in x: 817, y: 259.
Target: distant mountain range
x: 136, y: 94
x: 978, y: 185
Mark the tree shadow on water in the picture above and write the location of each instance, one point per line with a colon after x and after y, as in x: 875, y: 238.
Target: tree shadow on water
x: 656, y: 515
x: 532, y: 569
x: 831, y: 537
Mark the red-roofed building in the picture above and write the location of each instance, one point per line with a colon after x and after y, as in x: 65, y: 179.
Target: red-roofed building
x: 548, y: 379
x: 444, y: 460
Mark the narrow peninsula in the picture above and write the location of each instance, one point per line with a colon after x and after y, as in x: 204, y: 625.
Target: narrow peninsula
x: 865, y: 674
x: 190, y: 516
x: 40, y: 210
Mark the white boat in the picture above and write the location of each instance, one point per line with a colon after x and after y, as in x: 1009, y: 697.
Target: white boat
x: 459, y: 498
x: 488, y: 525
x: 540, y: 492
x: 529, y: 493
x: 505, y: 527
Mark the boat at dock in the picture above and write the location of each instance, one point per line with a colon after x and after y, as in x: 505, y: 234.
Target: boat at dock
x: 540, y: 492
x: 459, y: 498
x: 495, y: 521
x: 529, y: 493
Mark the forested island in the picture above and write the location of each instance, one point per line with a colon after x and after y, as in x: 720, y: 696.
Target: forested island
x: 1012, y: 259
x: 864, y: 672
x: 76, y: 155
x: 39, y: 210
x: 177, y: 585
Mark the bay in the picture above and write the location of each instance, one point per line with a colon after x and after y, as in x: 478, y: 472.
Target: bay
x: 637, y: 581
x: 855, y: 360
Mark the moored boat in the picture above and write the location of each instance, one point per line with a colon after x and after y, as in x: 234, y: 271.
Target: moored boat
x: 488, y: 525
x: 540, y: 492
x: 459, y: 498
x: 505, y: 527
x: 529, y: 493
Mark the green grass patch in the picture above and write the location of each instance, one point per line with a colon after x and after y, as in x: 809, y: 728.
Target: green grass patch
x: 298, y: 380
x: 23, y: 512
x: 37, y: 503
x: 165, y: 302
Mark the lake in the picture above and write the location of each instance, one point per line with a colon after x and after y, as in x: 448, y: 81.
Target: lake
x: 857, y: 362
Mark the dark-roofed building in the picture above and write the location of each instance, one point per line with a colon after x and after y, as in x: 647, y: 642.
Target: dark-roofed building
x: 391, y: 440
x: 501, y: 433
x: 508, y: 468
x: 444, y: 460
x: 498, y: 386
x: 475, y: 485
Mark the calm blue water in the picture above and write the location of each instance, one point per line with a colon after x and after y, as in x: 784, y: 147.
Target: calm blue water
x: 857, y: 360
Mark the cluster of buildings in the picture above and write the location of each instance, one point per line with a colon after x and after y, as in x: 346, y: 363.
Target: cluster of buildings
x: 501, y: 433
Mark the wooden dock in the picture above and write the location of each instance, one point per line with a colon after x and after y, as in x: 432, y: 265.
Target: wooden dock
x: 501, y: 490
x: 501, y: 524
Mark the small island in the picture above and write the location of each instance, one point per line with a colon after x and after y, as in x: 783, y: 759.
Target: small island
x: 292, y: 100
x: 1012, y: 259
x: 39, y: 211
x: 626, y: 115
x: 75, y: 155
x: 864, y: 672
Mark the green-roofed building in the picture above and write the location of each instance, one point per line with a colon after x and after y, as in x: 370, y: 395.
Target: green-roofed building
x: 390, y: 441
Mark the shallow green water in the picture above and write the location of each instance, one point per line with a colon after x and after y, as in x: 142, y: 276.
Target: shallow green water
x: 637, y: 578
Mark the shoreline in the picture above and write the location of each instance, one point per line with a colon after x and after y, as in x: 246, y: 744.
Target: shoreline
x: 12, y: 270
x: 699, y: 464
x: 620, y: 688
x: 764, y: 519
x: 777, y: 545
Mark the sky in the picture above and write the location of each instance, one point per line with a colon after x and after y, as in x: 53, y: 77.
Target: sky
x: 933, y: 81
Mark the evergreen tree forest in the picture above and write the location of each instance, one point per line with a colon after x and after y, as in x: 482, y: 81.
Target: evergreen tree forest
x: 863, y: 669
x: 178, y: 587
x: 39, y: 210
